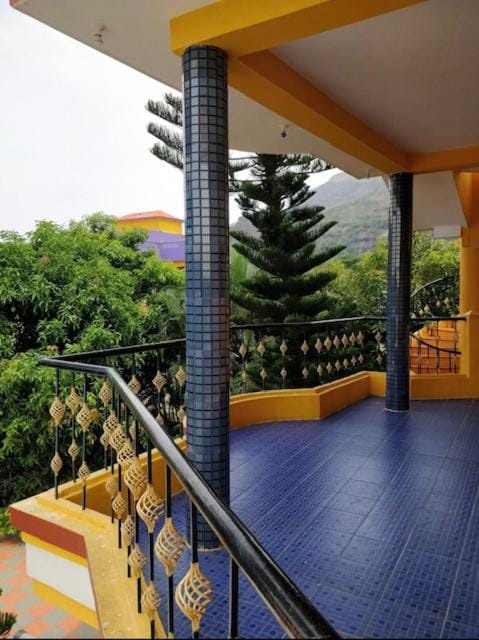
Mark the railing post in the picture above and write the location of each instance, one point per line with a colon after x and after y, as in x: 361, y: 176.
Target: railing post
x: 205, y: 111
x: 399, y: 291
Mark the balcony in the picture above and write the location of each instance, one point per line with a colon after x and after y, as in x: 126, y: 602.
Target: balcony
x: 336, y: 505
x: 340, y: 518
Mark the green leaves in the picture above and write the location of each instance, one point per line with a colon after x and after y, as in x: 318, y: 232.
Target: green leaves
x: 285, y: 249
x: 75, y: 288
x: 360, y: 286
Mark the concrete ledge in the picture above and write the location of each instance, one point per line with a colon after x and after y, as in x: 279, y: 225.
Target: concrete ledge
x: 298, y: 404
x: 444, y: 386
x: 319, y: 402
x: 431, y: 386
x: 89, y: 535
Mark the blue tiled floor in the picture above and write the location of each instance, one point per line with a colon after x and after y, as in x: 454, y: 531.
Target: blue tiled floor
x: 373, y: 515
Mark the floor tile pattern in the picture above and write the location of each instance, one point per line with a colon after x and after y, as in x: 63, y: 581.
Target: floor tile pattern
x: 375, y: 515
x: 35, y: 616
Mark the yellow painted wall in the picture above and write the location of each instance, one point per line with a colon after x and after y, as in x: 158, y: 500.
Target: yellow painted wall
x: 106, y: 564
x: 60, y: 600
x: 467, y: 184
x: 153, y: 224
x: 298, y: 404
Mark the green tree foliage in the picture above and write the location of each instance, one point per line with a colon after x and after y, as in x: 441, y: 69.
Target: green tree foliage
x: 433, y: 259
x: 7, y: 530
x: 69, y: 289
x: 272, y: 198
x: 360, y: 286
x: 168, y: 132
x: 285, y: 252
x: 7, y: 620
x: 169, y: 145
x: 240, y: 269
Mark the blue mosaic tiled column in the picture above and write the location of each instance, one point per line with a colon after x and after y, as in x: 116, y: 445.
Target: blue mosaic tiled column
x: 399, y: 291
x: 205, y: 111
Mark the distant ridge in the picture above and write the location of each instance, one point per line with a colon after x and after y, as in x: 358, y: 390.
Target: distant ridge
x: 359, y: 206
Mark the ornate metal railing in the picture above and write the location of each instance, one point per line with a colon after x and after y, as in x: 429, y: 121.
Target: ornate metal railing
x: 127, y: 429
x: 132, y: 401
x: 305, y: 354
x: 273, y: 356
x: 439, y: 297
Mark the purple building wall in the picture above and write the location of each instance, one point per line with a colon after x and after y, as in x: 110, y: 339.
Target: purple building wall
x: 168, y: 246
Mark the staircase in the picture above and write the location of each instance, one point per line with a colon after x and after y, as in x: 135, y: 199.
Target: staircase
x: 435, y: 348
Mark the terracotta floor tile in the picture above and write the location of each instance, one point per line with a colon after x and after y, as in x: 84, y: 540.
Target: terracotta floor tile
x: 37, y: 628
x: 70, y: 624
x: 12, y: 597
x: 20, y: 580
x: 40, y: 609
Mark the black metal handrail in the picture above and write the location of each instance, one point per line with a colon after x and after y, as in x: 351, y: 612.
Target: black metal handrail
x: 294, y: 612
x: 153, y: 346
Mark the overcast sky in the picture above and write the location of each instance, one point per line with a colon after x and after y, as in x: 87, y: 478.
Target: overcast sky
x: 73, y: 136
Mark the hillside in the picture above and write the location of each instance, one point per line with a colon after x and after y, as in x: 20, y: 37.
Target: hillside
x: 358, y: 206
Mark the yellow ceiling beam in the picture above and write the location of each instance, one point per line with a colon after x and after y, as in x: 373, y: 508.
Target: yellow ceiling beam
x: 246, y: 29
x: 241, y: 27
x: 444, y: 160
x: 271, y: 82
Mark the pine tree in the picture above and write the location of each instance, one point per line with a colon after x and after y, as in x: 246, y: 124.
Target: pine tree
x: 170, y: 138
x: 287, y: 283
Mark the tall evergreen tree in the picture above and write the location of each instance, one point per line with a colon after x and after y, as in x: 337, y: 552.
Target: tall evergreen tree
x: 170, y: 136
x: 287, y: 283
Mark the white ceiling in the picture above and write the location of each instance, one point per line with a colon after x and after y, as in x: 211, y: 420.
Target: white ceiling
x: 422, y: 97
x: 412, y: 75
x: 136, y: 32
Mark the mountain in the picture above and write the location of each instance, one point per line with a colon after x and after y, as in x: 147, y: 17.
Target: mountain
x: 359, y: 207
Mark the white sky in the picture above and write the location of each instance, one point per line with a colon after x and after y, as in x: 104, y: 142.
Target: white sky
x: 73, y: 136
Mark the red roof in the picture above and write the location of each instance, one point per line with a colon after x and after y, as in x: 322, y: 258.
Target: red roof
x: 152, y: 215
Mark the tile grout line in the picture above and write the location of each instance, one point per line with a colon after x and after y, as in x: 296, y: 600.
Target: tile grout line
x: 461, y: 555
x: 402, y: 552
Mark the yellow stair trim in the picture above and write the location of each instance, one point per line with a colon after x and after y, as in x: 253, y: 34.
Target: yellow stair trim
x: 80, y: 611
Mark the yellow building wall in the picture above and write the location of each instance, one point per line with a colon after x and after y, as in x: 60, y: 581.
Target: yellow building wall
x: 153, y: 224
x: 467, y: 184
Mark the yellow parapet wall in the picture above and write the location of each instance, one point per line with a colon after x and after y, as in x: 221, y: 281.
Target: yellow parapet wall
x: 63, y: 537
x: 319, y: 402
x: 60, y: 600
x: 298, y: 404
